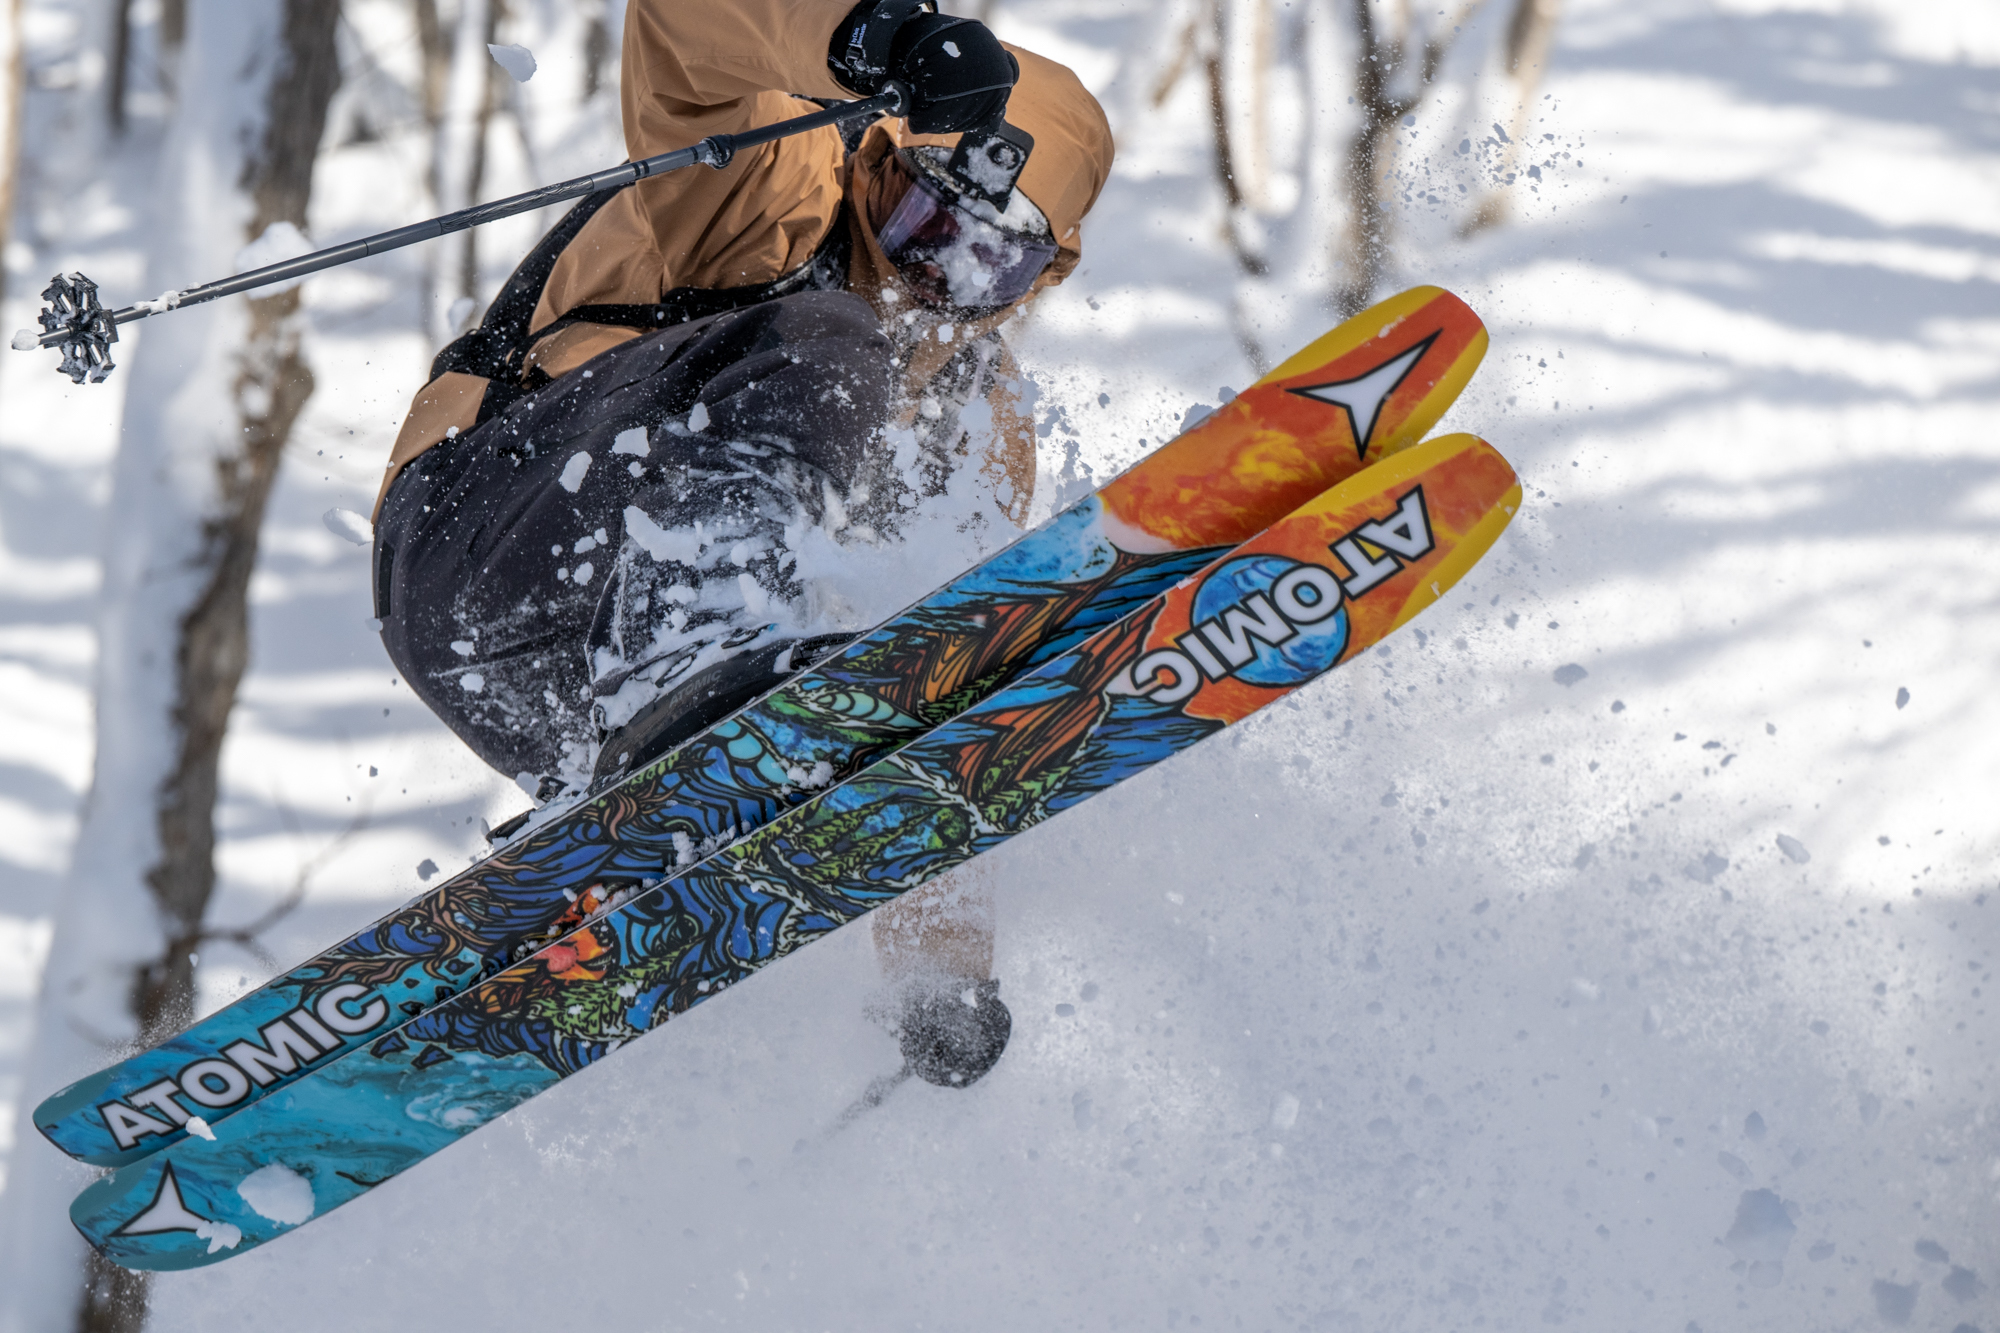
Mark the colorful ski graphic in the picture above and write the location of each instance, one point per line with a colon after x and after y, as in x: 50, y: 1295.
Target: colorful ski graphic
x: 1366, y: 389
x: 1320, y: 587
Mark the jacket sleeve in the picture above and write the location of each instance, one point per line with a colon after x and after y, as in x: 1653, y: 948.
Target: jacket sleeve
x: 688, y: 61
x: 692, y: 68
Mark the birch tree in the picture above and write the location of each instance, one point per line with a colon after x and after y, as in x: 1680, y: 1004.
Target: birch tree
x: 13, y: 84
x: 212, y: 398
x: 459, y: 161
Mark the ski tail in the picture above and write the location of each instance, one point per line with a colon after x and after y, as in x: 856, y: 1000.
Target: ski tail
x: 1315, y: 591
x: 1358, y: 394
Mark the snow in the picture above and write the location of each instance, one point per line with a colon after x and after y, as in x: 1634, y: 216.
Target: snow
x: 171, y: 300
x: 219, y: 1235
x: 279, y: 242
x: 279, y: 1193
x: 518, y: 61
x: 571, y: 479
x: 349, y: 526
x: 1555, y: 1018
x: 659, y: 542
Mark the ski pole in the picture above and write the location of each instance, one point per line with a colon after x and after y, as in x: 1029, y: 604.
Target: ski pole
x: 84, y: 330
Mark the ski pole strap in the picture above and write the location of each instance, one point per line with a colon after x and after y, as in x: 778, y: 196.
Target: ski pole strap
x: 494, y: 349
x: 497, y: 350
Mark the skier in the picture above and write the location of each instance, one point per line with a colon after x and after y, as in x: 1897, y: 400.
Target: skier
x: 586, y: 541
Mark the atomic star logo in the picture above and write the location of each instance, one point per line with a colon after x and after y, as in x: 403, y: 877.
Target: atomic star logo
x: 1362, y: 397
x: 169, y: 1212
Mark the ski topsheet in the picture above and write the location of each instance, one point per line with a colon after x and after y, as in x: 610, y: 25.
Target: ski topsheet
x: 1370, y: 387
x: 1316, y: 590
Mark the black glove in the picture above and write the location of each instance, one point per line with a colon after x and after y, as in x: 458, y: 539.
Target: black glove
x: 957, y: 73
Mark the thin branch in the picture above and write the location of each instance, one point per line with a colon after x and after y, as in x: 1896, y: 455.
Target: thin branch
x: 1371, y: 151
x: 1183, y: 49
x: 1235, y: 204
x: 247, y: 935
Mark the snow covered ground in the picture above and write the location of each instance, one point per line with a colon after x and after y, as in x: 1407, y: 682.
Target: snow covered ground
x: 1608, y: 950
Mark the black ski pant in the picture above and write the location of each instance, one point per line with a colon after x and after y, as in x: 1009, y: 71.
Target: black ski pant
x: 545, y: 575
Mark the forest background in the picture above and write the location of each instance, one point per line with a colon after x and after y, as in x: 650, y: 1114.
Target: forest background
x: 1609, y: 949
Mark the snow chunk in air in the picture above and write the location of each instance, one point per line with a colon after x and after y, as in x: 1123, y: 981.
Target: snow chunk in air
x: 518, y: 61
x: 1763, y: 1228
x: 632, y: 441
x: 349, y: 526
x: 571, y: 479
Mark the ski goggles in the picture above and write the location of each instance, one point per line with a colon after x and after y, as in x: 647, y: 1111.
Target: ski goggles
x: 951, y: 256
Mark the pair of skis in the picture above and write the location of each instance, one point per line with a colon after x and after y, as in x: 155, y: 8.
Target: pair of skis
x: 1135, y: 642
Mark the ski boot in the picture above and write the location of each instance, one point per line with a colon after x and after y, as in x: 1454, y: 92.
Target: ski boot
x: 692, y: 706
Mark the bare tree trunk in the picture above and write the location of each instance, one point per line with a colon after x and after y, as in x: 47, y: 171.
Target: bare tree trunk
x: 489, y: 96
x: 169, y: 30
x: 173, y: 34
x: 1393, y: 73
x: 1531, y: 32
x: 1364, y: 244
x: 434, y: 41
x: 271, y: 387
x: 1230, y: 105
x: 13, y: 84
x: 459, y: 159
x: 596, y: 49
x: 211, y: 399
x: 1228, y: 40
x: 119, y: 74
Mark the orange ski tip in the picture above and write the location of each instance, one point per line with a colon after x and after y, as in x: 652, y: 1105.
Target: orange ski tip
x: 1359, y: 394
x: 1378, y: 321
x: 1329, y: 581
x: 1465, y: 552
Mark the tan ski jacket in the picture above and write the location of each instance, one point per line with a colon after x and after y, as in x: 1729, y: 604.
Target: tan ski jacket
x: 690, y: 70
